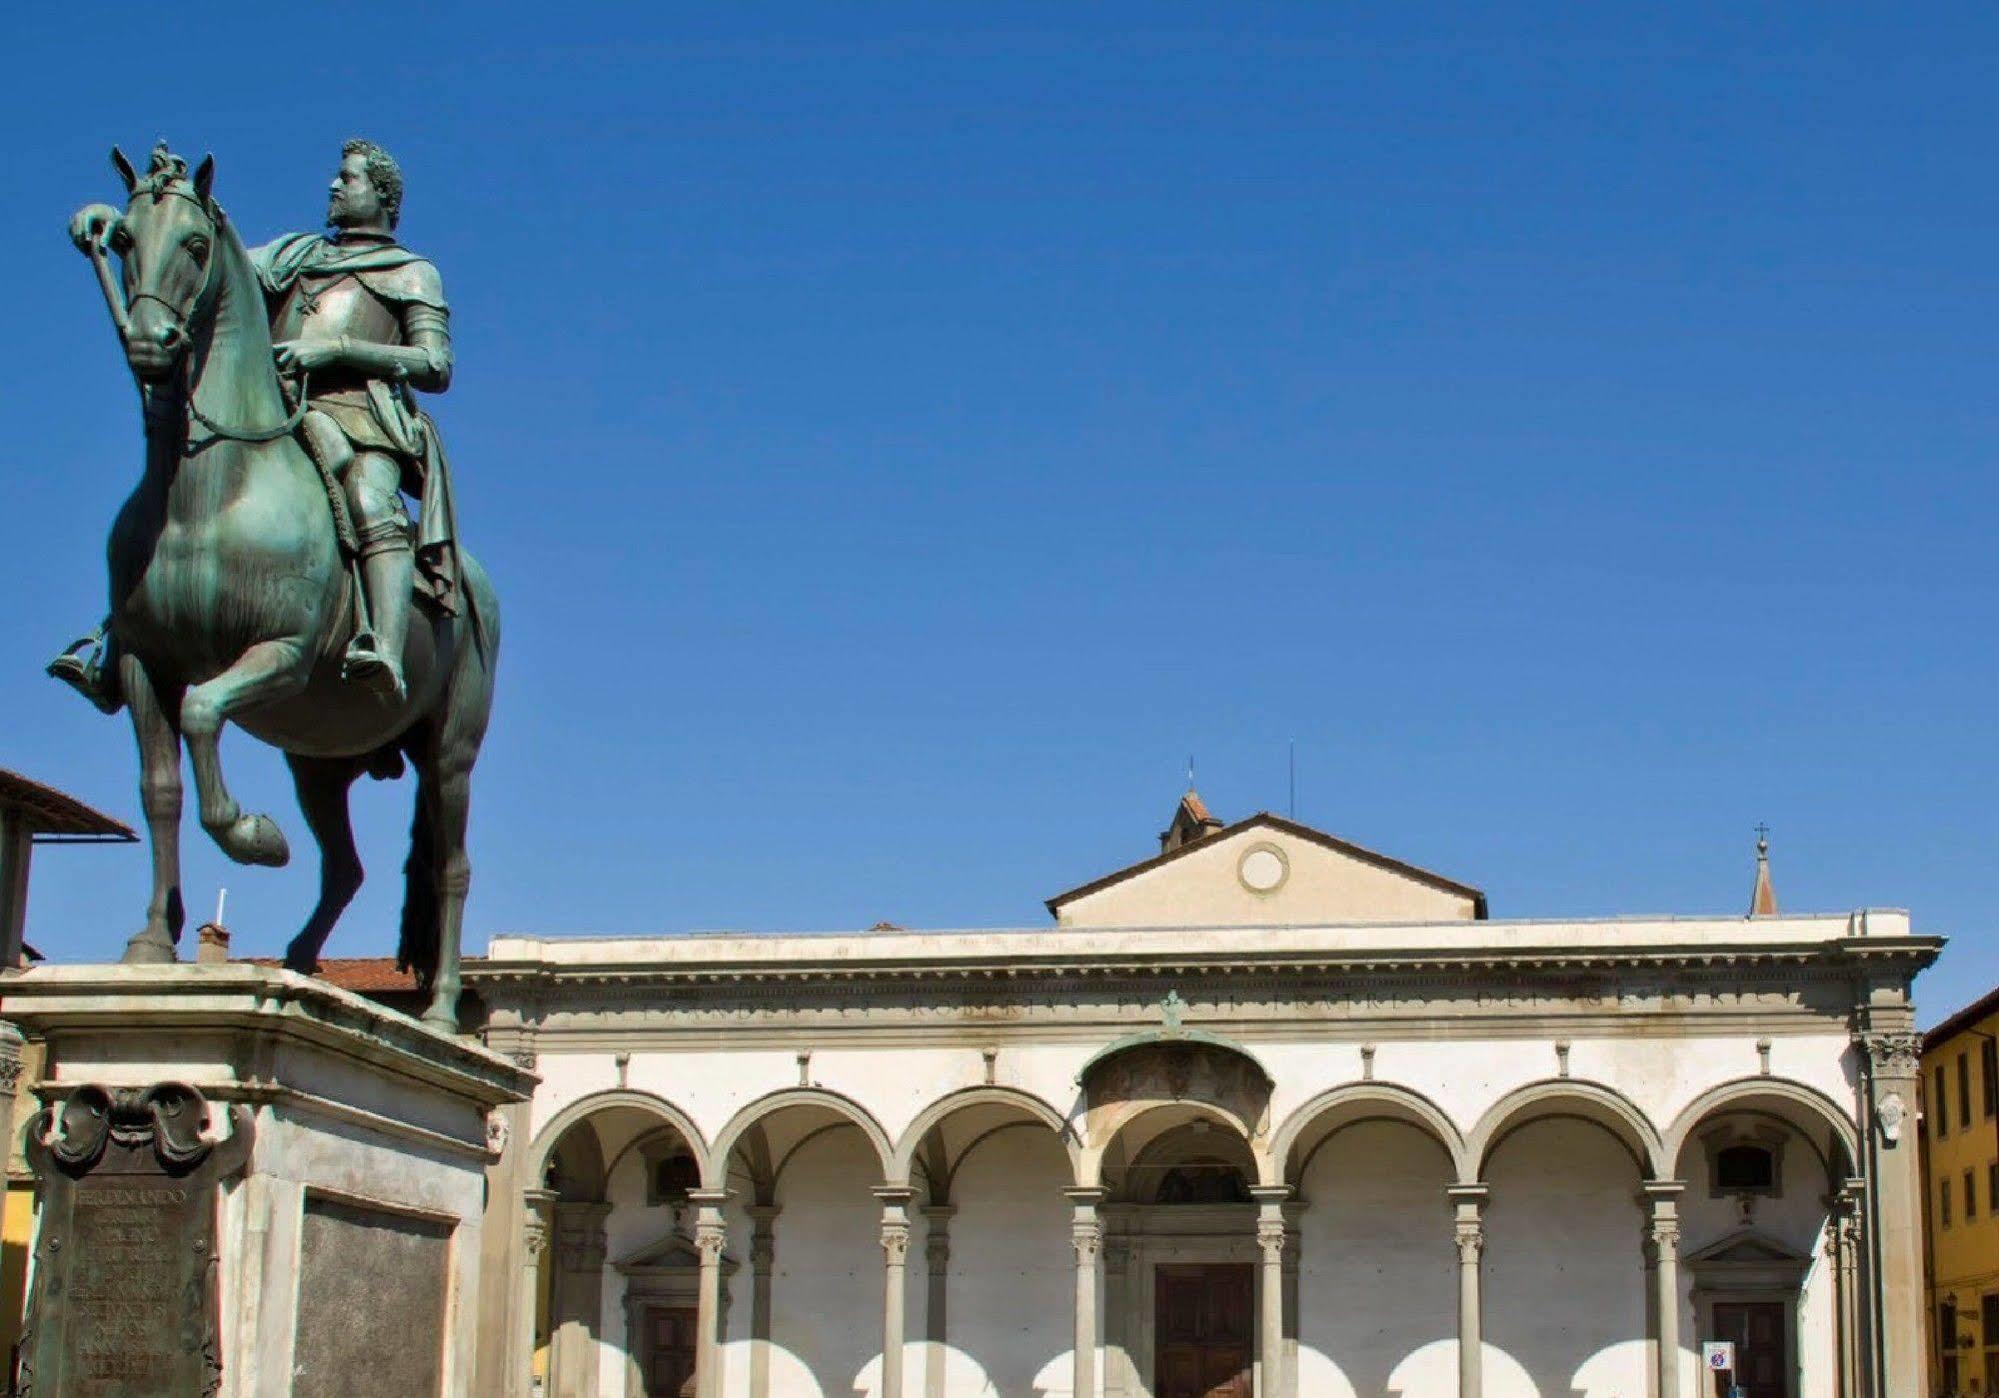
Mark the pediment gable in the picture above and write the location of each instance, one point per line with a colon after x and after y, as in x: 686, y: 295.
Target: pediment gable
x: 1746, y: 1249
x: 674, y: 1252
x: 1267, y: 871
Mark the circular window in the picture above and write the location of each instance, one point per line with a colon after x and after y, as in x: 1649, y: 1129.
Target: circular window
x: 1263, y: 869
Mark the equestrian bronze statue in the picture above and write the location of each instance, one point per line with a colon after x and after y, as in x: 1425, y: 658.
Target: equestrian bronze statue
x: 265, y: 570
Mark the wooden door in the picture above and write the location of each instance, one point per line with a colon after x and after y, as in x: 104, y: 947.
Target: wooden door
x: 668, y: 1356
x: 1202, y: 1323
x: 1762, y: 1366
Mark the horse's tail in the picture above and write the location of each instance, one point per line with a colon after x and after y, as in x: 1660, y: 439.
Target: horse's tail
x: 416, y: 950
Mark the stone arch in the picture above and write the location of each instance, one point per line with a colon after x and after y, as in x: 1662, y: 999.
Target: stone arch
x: 715, y: 1173
x: 903, y: 1158
x: 1112, y: 1128
x: 583, y: 1108
x: 1791, y: 1102
x: 1576, y: 1098
x: 1351, y: 1104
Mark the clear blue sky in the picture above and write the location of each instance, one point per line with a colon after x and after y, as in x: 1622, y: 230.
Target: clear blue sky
x: 902, y: 435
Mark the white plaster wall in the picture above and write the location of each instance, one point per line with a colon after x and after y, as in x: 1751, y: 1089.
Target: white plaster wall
x: 826, y: 1287
x: 1564, y: 1280
x: 630, y: 1225
x: 1377, y: 1280
x: 1012, y: 1271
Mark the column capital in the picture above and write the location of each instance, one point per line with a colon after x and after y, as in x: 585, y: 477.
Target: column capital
x: 1269, y: 1194
x: 895, y: 1242
x: 708, y: 1198
x: 1085, y: 1196
x: 894, y: 1194
x: 1470, y: 1238
x: 1087, y: 1239
x: 709, y: 1240
x: 1270, y: 1236
x: 1662, y: 1193
x: 1892, y: 1053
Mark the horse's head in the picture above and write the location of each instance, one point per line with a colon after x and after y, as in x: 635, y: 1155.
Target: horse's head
x: 168, y: 242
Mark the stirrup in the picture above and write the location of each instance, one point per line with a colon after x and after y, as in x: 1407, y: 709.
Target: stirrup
x: 81, y: 667
x: 365, y: 664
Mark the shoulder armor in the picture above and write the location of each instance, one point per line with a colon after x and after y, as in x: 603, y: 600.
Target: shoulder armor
x: 415, y: 281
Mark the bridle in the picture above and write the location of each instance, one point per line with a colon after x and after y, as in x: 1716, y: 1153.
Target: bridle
x: 180, y: 317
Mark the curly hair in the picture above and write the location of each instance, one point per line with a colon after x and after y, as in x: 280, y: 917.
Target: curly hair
x: 383, y: 173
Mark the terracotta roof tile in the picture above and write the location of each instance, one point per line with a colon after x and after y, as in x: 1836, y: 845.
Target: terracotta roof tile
x: 364, y: 975
x: 52, y: 812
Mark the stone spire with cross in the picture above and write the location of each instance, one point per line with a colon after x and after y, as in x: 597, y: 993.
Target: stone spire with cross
x: 1763, y: 899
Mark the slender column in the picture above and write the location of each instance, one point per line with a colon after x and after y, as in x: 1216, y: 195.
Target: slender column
x: 1293, y: 1251
x: 578, y: 1301
x: 711, y: 1237
x: 1662, y: 1251
x: 1086, y: 1234
x: 895, y: 1255
x: 1894, y: 1231
x: 1119, y: 1379
x: 1270, y: 1242
x: 763, y: 1253
x: 535, y: 1207
x: 1845, y: 1229
x: 937, y: 1295
x: 1469, y: 1201
x: 1835, y: 1259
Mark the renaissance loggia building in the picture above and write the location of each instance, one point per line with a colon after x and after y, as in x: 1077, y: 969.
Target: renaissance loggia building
x: 1265, y: 1114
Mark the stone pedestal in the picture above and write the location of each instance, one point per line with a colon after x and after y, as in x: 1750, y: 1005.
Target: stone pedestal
x: 302, y: 1167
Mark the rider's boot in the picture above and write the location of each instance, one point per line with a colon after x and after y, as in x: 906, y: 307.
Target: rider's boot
x: 374, y: 658
x: 83, y: 667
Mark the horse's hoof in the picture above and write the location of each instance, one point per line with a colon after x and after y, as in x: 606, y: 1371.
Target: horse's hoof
x: 150, y: 947
x: 255, y: 839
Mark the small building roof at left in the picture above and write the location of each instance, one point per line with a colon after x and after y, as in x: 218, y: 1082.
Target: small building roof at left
x: 56, y: 814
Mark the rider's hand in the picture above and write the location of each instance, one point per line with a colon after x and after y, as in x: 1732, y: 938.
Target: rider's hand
x: 91, y: 225
x: 304, y: 356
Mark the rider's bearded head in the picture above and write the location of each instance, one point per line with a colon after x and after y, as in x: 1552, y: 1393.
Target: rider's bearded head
x: 367, y: 189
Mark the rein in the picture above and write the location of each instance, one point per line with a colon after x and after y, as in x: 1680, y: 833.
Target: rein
x: 245, y: 434
x: 120, y: 307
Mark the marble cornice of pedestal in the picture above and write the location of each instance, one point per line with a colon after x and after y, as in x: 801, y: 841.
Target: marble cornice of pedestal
x: 261, y: 1001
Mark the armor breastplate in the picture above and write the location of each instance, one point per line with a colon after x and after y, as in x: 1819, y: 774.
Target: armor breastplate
x: 325, y: 308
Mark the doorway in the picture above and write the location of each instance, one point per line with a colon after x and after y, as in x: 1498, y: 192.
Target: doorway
x: 667, y: 1353
x: 1202, y: 1324
x: 1757, y: 1328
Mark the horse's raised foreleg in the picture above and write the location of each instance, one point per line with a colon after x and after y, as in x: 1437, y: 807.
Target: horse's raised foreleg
x: 322, y: 785
x: 266, y: 671
x: 159, y: 796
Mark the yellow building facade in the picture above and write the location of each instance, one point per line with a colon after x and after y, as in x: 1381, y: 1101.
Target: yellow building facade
x: 1960, y: 1076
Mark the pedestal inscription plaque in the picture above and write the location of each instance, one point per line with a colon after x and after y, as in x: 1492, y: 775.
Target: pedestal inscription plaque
x: 371, y: 1297
x: 124, y: 1302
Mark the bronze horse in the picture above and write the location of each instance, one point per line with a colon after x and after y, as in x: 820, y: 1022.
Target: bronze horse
x: 231, y: 600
